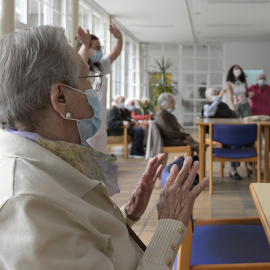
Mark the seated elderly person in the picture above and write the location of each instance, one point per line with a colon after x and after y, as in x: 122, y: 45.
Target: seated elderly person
x: 131, y: 106
x: 171, y: 131
x: 117, y: 117
x: 55, y: 209
x: 135, y: 112
x: 214, y: 107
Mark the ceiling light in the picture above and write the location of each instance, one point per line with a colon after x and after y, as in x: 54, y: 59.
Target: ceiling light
x: 239, y: 1
x: 150, y: 25
x: 230, y: 25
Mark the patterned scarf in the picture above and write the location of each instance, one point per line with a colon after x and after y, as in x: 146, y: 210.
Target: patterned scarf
x: 93, y: 164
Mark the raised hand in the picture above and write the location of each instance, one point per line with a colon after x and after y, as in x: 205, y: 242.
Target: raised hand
x: 222, y: 92
x: 176, y: 199
x: 83, y: 37
x: 144, y: 187
x: 115, y: 31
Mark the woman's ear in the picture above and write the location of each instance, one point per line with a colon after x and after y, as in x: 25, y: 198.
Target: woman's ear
x: 59, y: 98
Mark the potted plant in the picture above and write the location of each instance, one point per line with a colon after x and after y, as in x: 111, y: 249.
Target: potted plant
x: 163, y: 84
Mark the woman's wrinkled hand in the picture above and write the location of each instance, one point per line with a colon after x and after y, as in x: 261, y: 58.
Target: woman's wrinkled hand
x: 176, y: 199
x: 144, y: 187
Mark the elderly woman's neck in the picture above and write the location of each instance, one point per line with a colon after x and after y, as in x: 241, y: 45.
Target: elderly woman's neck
x: 56, y: 129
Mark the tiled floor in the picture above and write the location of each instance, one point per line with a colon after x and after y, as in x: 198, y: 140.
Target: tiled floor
x: 231, y: 198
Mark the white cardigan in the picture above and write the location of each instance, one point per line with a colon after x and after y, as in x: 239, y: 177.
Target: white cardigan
x: 54, y: 217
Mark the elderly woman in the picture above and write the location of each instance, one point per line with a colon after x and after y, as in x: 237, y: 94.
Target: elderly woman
x: 171, y: 131
x: 56, y: 212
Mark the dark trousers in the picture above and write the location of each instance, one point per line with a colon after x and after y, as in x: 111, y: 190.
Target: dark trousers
x: 137, y: 145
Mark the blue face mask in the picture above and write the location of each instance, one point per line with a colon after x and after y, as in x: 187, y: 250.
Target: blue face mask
x: 96, y: 57
x: 261, y: 82
x: 170, y: 110
x: 214, y: 98
x: 88, y: 127
x: 131, y: 108
x: 122, y: 105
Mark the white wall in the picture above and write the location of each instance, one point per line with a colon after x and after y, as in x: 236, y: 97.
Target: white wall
x: 248, y: 56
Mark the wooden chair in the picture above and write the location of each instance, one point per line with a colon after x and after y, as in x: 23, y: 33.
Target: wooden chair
x: 155, y: 143
x: 177, y: 149
x: 238, y: 136
x: 231, y: 243
x: 222, y: 165
x: 122, y: 140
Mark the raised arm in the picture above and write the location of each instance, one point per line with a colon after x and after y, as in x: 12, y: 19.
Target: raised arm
x: 210, y: 110
x: 85, y: 39
x: 119, y: 42
x: 230, y: 94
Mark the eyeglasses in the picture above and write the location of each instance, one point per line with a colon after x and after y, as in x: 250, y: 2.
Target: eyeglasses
x: 95, y: 80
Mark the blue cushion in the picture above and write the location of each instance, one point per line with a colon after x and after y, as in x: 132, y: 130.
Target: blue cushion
x: 234, y: 152
x: 175, y: 262
x: 166, y: 171
x: 237, y: 135
x: 226, y: 244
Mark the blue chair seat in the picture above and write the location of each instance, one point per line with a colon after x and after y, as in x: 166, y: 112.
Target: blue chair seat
x: 229, y: 244
x: 234, y: 152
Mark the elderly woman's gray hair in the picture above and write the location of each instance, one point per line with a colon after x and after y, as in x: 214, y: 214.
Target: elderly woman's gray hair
x: 163, y: 100
x: 209, y: 92
x: 31, y: 62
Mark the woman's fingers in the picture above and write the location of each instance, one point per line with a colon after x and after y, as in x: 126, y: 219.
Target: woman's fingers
x: 191, y: 176
x: 171, y: 178
x: 200, y: 187
x: 183, y: 174
x: 158, y: 173
x: 154, y: 164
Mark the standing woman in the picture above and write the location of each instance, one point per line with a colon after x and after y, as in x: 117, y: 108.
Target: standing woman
x: 238, y: 95
x: 237, y: 91
x: 91, y: 52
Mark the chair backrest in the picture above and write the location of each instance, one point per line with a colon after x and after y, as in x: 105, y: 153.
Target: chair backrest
x: 235, y: 135
x: 154, y: 141
x: 122, y: 140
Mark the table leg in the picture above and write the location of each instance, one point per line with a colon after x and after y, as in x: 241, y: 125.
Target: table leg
x: 202, y: 151
x: 266, y: 154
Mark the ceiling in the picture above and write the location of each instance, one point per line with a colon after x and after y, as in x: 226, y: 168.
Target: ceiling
x: 192, y: 21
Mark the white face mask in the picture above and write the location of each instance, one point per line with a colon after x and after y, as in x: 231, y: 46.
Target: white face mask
x: 214, y: 98
x: 261, y: 82
x: 237, y: 72
x: 170, y: 110
x: 88, y: 127
x: 96, y: 57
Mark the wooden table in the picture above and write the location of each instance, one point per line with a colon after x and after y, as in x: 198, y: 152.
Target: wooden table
x: 261, y: 196
x: 204, y: 122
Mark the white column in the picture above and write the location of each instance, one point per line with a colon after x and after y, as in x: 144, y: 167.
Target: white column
x: 8, y: 16
x: 75, y: 20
